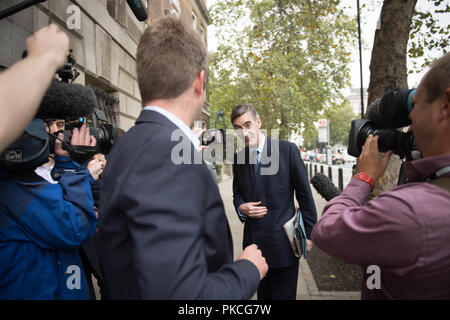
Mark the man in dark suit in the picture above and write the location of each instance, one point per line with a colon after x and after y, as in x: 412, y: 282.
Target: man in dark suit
x: 163, y: 233
x: 266, y: 174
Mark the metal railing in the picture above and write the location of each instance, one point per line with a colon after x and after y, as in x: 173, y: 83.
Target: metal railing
x: 340, y: 176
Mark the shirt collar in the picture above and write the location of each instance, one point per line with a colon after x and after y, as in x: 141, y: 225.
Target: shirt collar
x: 260, y: 147
x: 179, y: 123
x: 420, y: 170
x: 261, y: 144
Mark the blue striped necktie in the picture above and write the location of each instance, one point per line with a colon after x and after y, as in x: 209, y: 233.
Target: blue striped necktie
x: 256, y: 165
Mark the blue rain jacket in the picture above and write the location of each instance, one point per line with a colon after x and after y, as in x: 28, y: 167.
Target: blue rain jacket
x: 41, y: 227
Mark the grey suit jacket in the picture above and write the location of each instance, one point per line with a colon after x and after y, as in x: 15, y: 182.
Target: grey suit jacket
x: 163, y: 233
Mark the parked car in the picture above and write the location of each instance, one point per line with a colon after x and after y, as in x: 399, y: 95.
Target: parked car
x: 338, y: 159
x: 310, y: 156
x: 321, y: 158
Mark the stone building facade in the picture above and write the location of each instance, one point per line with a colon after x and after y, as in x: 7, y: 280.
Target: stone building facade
x: 104, y: 36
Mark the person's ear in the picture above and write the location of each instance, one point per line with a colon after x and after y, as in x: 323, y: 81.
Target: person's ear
x: 447, y: 102
x: 199, y: 83
x: 258, y: 122
x: 444, y: 110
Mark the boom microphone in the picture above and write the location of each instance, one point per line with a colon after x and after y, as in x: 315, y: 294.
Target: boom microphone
x: 138, y: 9
x: 67, y: 101
x: 324, y: 186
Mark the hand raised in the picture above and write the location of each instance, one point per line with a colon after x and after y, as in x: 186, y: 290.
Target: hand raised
x: 49, y: 41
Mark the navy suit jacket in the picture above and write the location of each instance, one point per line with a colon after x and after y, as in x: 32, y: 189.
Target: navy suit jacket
x: 276, y: 192
x: 163, y: 233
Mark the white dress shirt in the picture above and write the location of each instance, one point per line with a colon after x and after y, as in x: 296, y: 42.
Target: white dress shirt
x: 179, y: 123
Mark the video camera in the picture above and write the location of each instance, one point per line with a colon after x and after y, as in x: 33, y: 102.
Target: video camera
x: 384, y: 115
x: 72, y: 103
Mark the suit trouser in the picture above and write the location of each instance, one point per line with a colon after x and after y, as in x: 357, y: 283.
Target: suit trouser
x: 279, y: 284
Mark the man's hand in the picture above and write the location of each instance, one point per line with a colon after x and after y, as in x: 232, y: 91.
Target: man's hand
x: 253, y: 210
x: 370, y: 161
x: 95, y: 167
x: 309, y: 245
x: 254, y: 255
x: 80, y: 137
x: 51, y: 42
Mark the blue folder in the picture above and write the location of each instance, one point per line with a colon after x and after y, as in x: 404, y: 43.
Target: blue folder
x: 301, y: 234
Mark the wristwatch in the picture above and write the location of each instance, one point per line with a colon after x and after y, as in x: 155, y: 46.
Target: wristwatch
x: 366, y: 178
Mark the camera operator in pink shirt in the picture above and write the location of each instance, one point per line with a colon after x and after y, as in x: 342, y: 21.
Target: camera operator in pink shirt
x: 405, y: 232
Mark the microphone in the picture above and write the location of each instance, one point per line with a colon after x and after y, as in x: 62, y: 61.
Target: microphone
x: 324, y: 186
x: 138, y: 9
x: 18, y: 7
x: 67, y: 101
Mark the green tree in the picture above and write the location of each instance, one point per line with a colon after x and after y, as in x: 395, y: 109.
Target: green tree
x: 287, y: 58
x: 339, y: 119
x: 429, y: 33
x: 412, y: 28
x: 310, y: 136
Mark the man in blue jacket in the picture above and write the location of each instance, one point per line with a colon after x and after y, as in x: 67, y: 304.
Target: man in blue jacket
x: 41, y: 226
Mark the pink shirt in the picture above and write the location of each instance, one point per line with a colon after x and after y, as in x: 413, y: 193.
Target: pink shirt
x: 405, y: 232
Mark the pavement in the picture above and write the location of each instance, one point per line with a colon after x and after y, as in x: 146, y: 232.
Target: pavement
x: 306, y: 288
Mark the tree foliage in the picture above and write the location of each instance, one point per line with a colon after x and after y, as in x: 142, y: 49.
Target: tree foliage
x: 429, y: 33
x: 339, y: 118
x: 288, y: 58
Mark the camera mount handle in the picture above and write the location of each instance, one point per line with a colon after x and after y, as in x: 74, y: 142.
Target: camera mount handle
x: 18, y: 7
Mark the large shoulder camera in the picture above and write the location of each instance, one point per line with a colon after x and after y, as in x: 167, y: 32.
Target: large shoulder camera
x: 72, y: 103
x: 384, y: 115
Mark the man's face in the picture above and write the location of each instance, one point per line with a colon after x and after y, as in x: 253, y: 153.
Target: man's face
x: 55, y: 125
x: 248, y: 129
x: 422, y: 119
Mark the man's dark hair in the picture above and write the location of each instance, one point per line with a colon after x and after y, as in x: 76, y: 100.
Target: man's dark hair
x: 240, y: 109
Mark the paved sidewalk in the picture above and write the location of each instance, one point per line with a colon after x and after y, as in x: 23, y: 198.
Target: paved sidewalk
x: 306, y: 288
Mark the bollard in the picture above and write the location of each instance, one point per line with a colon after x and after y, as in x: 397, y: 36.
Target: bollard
x: 310, y: 171
x: 330, y: 173
x: 315, y: 168
x: 321, y: 169
x: 341, y: 179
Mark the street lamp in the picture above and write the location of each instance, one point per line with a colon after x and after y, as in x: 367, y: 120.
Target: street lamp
x: 220, y: 118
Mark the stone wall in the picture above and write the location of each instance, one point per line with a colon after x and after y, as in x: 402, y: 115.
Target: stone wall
x: 104, y: 46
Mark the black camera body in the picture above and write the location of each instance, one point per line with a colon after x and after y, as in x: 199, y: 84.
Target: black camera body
x: 105, y: 135
x: 384, y: 115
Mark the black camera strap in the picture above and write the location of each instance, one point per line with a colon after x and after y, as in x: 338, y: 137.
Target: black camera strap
x: 80, y: 154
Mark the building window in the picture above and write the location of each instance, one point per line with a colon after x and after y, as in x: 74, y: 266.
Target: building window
x: 194, y: 20
x: 202, y: 31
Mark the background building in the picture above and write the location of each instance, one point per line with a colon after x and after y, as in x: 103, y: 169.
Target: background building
x: 355, y: 100
x: 104, y: 44
x: 192, y: 12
